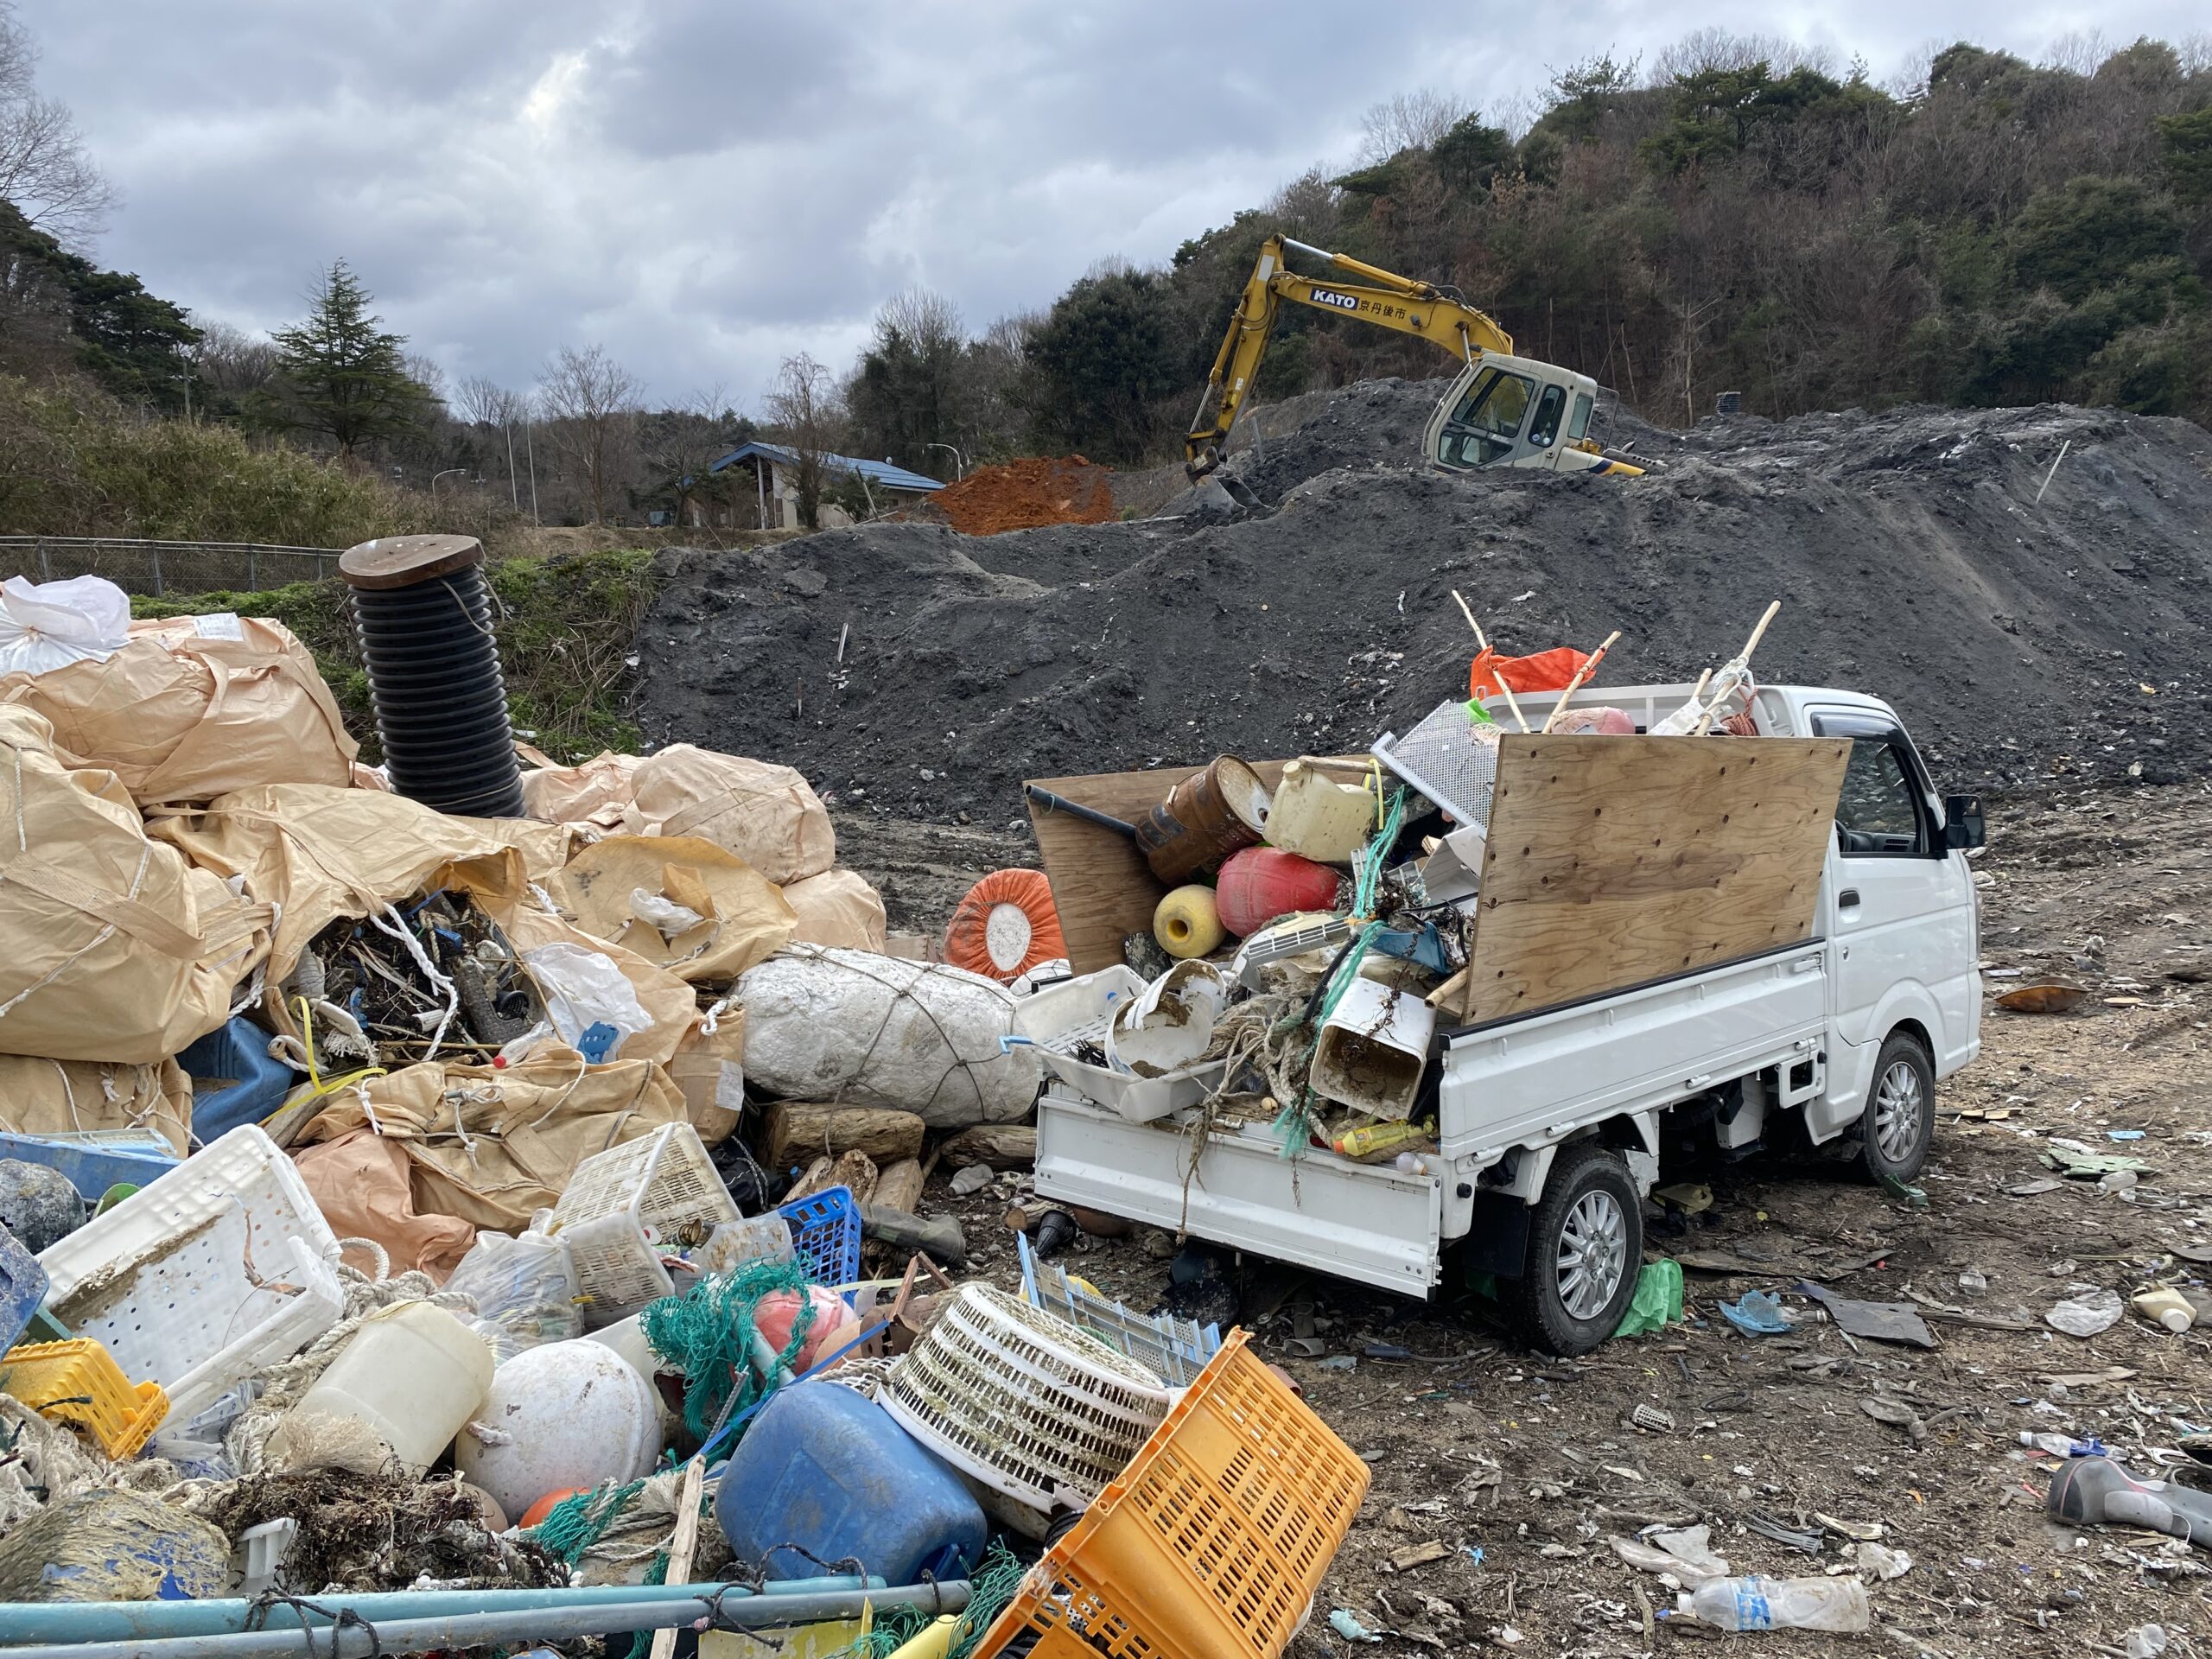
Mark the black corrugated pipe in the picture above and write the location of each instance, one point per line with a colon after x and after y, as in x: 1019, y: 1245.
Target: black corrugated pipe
x: 424, y: 616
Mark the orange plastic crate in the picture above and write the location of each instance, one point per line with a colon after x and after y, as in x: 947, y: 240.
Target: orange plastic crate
x: 1212, y: 1542
x: 79, y: 1383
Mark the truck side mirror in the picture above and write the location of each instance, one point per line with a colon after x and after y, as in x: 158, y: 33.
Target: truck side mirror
x: 1963, y: 824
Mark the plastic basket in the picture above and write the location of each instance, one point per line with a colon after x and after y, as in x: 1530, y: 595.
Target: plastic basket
x: 1211, y: 1543
x: 1074, y: 1014
x: 79, y: 1383
x: 622, y: 1207
x: 1022, y: 1403
x: 865, y: 1378
x: 826, y: 1235
x: 1445, y: 759
x: 1175, y: 1351
x: 216, y: 1269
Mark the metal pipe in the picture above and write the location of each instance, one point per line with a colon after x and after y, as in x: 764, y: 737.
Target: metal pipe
x: 24, y: 1623
x: 1052, y: 803
x: 513, y: 1626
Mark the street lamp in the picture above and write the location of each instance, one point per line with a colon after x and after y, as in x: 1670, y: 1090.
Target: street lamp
x: 959, y: 460
x: 435, y: 477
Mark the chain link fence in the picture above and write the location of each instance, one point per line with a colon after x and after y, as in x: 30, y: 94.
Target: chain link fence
x: 145, y: 567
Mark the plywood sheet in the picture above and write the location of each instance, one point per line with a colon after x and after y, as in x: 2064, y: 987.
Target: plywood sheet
x: 1614, y: 861
x: 1102, y: 887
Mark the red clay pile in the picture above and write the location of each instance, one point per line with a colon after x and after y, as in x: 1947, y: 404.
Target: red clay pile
x: 1027, y: 494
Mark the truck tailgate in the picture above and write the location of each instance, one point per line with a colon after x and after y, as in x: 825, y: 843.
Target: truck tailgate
x: 1537, y: 1079
x: 1356, y: 1221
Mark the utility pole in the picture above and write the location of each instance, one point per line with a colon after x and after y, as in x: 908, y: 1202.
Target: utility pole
x: 514, y: 496
x: 530, y: 459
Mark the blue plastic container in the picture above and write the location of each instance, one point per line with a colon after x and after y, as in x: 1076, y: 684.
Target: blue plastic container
x: 234, y: 1080
x: 826, y: 1469
x: 93, y: 1160
x: 23, y: 1288
x: 826, y: 1235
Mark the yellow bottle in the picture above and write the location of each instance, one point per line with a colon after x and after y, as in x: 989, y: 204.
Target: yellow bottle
x: 1373, y: 1140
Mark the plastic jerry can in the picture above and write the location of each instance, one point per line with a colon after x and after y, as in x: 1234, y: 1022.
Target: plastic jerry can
x: 413, y: 1373
x: 826, y: 1469
x: 234, y: 1080
x: 1318, y: 818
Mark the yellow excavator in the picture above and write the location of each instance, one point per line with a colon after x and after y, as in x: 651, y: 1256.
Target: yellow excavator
x: 1501, y: 411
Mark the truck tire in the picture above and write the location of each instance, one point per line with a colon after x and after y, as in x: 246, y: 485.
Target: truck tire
x: 1898, y: 1123
x: 1585, y: 1248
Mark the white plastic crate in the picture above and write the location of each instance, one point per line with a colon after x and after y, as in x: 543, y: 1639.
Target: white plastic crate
x: 209, y: 1272
x: 1174, y: 1349
x: 1021, y: 1403
x: 1060, y: 1019
x: 622, y: 1207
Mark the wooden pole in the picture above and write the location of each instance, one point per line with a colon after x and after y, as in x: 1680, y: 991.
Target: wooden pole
x: 682, y: 1547
x: 1517, y: 718
x: 1742, y: 660
x: 1581, y: 677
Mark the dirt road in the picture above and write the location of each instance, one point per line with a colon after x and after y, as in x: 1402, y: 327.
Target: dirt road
x: 1531, y: 1464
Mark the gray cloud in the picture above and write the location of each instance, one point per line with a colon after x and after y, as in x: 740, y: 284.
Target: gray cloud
x: 705, y: 188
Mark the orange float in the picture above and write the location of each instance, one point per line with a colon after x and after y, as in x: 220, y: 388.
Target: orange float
x: 1005, y: 926
x: 537, y: 1512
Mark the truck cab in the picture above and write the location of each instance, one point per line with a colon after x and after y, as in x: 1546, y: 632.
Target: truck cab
x: 1551, y: 1124
x: 1515, y: 411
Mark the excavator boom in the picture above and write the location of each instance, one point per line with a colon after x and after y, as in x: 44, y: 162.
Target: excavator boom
x: 1375, y: 295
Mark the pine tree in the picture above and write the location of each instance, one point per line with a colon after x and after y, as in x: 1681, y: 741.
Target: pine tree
x: 345, y: 375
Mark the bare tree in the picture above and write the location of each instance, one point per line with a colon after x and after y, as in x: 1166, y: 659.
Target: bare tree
x: 803, y: 403
x: 43, y: 167
x: 231, y: 360
x: 481, y: 401
x: 1412, y: 120
x: 591, y: 402
x: 1716, y: 48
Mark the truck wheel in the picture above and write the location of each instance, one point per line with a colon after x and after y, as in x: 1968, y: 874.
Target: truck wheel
x: 1586, y: 1247
x: 1899, y: 1120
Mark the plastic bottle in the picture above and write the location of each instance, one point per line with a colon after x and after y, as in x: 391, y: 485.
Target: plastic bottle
x: 2058, y: 1445
x: 1374, y: 1139
x: 1755, y: 1604
x: 413, y: 1373
x: 2164, y: 1304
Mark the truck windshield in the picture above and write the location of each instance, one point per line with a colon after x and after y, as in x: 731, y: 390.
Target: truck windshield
x: 1483, y: 427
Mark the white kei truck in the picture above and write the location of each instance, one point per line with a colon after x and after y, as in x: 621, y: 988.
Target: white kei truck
x: 1550, y: 1124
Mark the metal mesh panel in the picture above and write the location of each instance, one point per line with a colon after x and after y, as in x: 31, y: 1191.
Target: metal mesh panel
x: 151, y: 567
x: 1451, y: 757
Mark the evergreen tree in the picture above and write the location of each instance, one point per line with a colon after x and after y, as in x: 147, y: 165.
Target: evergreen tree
x: 345, y: 375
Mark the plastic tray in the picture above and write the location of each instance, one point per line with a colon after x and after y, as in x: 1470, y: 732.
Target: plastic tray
x: 218, y: 1268
x: 1211, y: 1543
x: 622, y: 1207
x: 1023, y: 1402
x: 1175, y: 1351
x: 79, y: 1383
x: 1065, y: 1017
x: 93, y: 1160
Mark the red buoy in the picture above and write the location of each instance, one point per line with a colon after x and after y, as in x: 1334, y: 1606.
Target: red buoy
x: 1261, y: 883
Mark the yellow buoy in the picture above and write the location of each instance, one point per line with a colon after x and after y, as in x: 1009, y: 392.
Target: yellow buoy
x: 1186, y: 923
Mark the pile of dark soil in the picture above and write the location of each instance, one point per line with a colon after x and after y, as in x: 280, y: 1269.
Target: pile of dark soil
x: 2021, y: 638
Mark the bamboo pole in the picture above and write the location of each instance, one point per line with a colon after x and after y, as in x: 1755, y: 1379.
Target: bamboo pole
x: 1518, y: 718
x: 1581, y: 677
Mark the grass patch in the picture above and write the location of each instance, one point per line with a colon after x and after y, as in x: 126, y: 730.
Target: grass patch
x: 567, y: 627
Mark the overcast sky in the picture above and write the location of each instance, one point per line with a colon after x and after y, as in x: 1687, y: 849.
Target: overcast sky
x: 706, y: 187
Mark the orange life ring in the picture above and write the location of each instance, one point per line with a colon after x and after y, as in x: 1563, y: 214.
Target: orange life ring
x: 1005, y: 926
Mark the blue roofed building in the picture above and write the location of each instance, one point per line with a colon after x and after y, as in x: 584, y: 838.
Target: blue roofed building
x: 775, y: 493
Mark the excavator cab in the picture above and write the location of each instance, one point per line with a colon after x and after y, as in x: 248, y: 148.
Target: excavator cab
x: 1515, y: 411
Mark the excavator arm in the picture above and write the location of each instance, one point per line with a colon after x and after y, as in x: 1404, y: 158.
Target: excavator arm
x: 1371, y: 294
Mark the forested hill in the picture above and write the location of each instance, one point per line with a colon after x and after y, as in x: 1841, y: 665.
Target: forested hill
x: 2004, y: 233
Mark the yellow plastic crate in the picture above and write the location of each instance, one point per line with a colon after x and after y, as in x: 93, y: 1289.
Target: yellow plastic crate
x: 78, y: 1383
x: 1212, y: 1542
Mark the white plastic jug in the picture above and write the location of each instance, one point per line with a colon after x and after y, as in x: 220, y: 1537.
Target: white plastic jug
x: 413, y: 1373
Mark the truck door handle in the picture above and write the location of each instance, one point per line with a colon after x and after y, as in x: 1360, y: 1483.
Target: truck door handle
x: 1847, y: 900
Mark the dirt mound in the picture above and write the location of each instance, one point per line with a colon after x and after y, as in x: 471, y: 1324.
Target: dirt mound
x: 1027, y: 494
x: 1913, y: 556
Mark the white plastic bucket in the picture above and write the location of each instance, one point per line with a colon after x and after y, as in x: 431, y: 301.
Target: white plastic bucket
x: 1372, y: 1050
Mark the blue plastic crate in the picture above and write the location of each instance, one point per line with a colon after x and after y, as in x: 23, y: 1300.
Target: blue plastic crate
x: 93, y: 1160
x: 826, y: 1235
x: 23, y: 1288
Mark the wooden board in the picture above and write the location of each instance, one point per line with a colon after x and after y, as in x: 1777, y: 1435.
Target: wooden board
x: 1614, y: 861
x: 1101, y: 887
